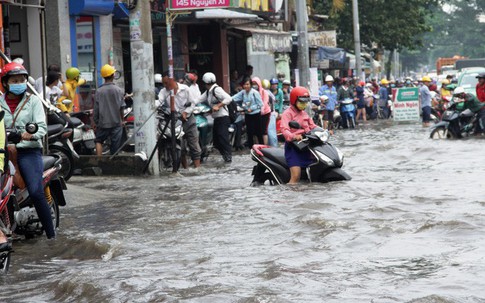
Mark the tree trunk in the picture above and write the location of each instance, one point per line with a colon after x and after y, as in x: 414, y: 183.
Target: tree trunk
x: 388, y: 64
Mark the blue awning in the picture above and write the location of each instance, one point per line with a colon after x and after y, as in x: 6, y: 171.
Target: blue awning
x: 121, y: 11
x: 331, y: 53
x: 91, y: 7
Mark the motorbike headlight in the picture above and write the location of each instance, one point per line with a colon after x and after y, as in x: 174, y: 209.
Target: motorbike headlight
x: 325, y: 159
x: 340, y: 155
x: 322, y: 135
x: 196, y: 111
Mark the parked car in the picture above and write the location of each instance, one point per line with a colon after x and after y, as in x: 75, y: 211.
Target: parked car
x: 467, y: 79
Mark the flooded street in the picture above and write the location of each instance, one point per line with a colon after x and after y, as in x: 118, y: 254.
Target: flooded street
x: 407, y: 228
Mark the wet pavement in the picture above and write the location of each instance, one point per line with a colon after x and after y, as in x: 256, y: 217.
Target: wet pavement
x: 407, y: 228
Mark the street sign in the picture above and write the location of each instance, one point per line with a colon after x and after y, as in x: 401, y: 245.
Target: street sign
x: 199, y: 4
x: 406, y: 104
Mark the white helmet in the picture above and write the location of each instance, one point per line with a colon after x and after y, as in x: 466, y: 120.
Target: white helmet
x: 459, y: 90
x: 158, y: 78
x: 329, y: 78
x: 209, y: 78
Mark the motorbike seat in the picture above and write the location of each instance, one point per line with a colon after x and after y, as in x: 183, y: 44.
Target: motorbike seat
x: 276, y: 154
x: 75, y: 122
x: 54, y: 129
x: 48, y: 161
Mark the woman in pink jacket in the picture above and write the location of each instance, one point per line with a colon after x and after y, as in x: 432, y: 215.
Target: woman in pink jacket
x: 265, y: 110
x: 295, y: 158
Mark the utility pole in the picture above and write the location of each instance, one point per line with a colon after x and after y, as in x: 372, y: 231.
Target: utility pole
x: 303, y: 60
x: 355, y: 11
x: 141, y: 44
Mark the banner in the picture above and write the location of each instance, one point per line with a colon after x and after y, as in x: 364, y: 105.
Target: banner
x: 199, y: 4
x: 258, y: 5
x: 406, y: 104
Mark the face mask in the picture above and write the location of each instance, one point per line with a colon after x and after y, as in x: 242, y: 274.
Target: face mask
x: 255, y: 87
x: 17, y: 89
x: 301, y: 105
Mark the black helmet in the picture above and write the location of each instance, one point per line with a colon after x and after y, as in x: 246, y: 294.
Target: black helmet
x: 480, y: 75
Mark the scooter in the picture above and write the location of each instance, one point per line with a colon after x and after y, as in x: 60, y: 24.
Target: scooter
x: 205, y: 124
x: 347, y: 111
x: 271, y: 163
x: 455, y: 123
x: 83, y: 134
x: 17, y: 212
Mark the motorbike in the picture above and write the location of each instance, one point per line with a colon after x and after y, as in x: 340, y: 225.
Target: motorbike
x: 455, y: 123
x: 164, y: 143
x: 83, y: 134
x: 17, y: 212
x: 271, y: 163
x: 205, y: 124
x: 347, y: 112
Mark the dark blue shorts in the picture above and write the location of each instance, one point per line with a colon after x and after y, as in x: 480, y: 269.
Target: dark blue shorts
x: 295, y: 157
x: 426, y: 113
x: 361, y: 104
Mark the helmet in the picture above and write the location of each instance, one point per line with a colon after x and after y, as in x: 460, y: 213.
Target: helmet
x: 459, y: 90
x: 445, y: 81
x: 72, y: 73
x: 286, y: 82
x: 426, y: 79
x: 158, y: 78
x: 189, y: 77
x: 480, y: 76
x: 329, y: 78
x: 209, y: 78
x: 361, y: 83
x: 384, y: 82
x: 13, y: 69
x: 273, y: 81
x: 297, y: 93
x: 266, y: 84
x: 107, y: 71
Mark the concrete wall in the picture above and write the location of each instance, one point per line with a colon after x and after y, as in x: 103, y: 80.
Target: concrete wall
x: 58, y: 36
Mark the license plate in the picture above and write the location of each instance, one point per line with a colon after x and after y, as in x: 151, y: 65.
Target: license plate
x: 89, y: 135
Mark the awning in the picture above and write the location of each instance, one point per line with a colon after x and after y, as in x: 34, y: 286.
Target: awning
x: 220, y: 13
x: 268, y: 40
x: 331, y: 53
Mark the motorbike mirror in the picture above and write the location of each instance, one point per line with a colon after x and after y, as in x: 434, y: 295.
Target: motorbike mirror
x: 294, y: 124
x: 66, y: 101
x: 31, y: 128
x: 188, y: 104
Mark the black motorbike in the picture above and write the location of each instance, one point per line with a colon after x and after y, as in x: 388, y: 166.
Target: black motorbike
x: 271, y: 163
x: 164, y: 143
x: 455, y: 123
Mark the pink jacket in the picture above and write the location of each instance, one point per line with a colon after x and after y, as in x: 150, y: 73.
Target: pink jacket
x: 292, y: 114
x: 264, y: 95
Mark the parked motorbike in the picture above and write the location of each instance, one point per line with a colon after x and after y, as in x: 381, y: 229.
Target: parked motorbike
x: 17, y: 212
x: 455, y: 123
x: 271, y: 163
x: 83, y: 134
x: 165, y: 139
x: 347, y: 112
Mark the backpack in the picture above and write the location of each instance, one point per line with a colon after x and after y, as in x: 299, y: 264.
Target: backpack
x: 231, y: 107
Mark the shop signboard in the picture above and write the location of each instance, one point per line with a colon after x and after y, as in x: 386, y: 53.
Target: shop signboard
x: 406, y: 104
x: 322, y: 38
x: 200, y: 4
x: 260, y: 5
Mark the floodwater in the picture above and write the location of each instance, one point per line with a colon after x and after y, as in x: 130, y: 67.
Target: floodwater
x: 408, y: 228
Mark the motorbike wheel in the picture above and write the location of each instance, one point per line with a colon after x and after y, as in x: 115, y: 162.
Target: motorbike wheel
x: 4, y: 262
x: 440, y: 133
x: 67, y: 161
x: 165, y: 157
x: 55, y: 212
x: 351, y: 122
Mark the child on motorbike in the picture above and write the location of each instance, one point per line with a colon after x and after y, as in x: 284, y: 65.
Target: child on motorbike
x: 295, y: 158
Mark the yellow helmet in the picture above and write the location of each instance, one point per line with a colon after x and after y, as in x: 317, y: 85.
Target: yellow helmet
x: 107, y: 70
x: 445, y: 81
x: 426, y: 79
x: 384, y: 82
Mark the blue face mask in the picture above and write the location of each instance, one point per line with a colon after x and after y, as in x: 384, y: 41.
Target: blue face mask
x: 17, y: 89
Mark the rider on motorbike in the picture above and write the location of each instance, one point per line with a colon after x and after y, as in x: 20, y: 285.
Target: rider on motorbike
x: 21, y: 108
x: 295, y: 158
x: 472, y: 103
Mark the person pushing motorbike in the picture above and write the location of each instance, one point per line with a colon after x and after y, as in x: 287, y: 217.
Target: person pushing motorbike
x: 295, y: 158
x: 472, y: 103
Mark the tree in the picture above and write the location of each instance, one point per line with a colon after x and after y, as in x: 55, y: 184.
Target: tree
x: 389, y: 26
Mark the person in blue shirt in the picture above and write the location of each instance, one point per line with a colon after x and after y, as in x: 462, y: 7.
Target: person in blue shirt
x: 383, y: 98
x: 250, y: 100
x: 330, y: 91
x: 425, y: 96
